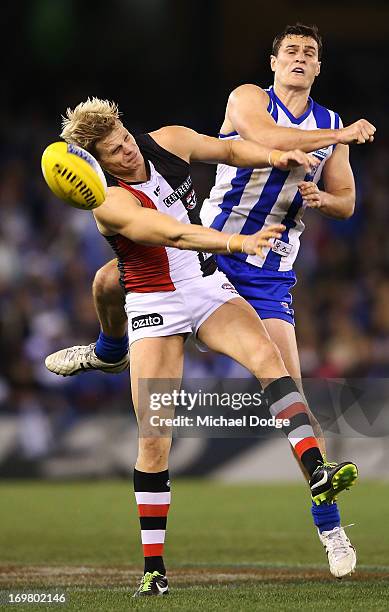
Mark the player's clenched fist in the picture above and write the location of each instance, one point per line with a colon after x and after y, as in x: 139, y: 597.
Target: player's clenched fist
x: 311, y: 194
x: 357, y: 133
x: 253, y: 245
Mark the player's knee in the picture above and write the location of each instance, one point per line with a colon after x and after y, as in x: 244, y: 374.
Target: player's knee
x: 267, y: 356
x: 106, y: 283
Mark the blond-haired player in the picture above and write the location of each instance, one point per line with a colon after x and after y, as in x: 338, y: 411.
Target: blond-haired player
x: 172, y: 289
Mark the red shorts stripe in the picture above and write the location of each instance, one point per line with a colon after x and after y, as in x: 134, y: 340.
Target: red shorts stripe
x: 304, y: 445
x: 152, y: 550
x: 153, y: 509
x: 292, y: 410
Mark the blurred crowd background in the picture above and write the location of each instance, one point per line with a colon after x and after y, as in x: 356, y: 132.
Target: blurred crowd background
x: 166, y: 62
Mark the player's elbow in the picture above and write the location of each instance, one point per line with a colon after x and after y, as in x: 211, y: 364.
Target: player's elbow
x: 348, y: 212
x: 342, y: 203
x: 349, y: 209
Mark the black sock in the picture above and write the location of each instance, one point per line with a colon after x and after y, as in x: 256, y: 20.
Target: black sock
x: 155, y: 564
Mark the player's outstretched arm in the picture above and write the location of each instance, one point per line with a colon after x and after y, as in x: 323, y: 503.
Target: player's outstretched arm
x: 247, y: 113
x: 192, y: 146
x: 122, y: 214
x: 338, y: 198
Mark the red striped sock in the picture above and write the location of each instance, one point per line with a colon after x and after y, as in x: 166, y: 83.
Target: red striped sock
x: 152, y: 493
x: 286, y: 402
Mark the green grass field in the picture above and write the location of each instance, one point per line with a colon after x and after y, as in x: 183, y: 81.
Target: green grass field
x: 228, y: 547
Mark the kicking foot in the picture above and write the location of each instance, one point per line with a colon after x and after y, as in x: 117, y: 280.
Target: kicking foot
x: 329, y: 479
x: 75, y: 359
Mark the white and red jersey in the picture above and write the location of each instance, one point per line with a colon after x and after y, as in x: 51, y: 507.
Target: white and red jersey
x: 147, y: 269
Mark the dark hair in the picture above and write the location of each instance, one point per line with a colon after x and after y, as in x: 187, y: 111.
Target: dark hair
x: 299, y: 29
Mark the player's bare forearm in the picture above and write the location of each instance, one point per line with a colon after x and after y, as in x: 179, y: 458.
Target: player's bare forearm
x: 122, y: 214
x: 291, y: 138
x: 191, y: 146
x: 285, y: 139
x: 337, y: 200
x: 153, y: 228
x: 248, y: 154
x: 337, y: 205
x: 243, y: 154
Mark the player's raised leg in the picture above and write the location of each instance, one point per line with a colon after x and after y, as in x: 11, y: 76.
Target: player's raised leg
x: 341, y: 554
x: 283, y: 335
x: 110, y: 352
x: 236, y: 330
x: 156, y: 367
x: 108, y: 297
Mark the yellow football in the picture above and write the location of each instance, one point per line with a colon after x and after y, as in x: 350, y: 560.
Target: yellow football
x: 74, y: 175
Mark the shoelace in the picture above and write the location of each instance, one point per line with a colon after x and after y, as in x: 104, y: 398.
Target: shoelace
x: 145, y: 581
x: 87, y: 352
x: 340, y: 541
x: 325, y: 464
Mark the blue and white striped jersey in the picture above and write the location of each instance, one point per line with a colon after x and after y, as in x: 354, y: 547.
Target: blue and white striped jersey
x: 246, y: 200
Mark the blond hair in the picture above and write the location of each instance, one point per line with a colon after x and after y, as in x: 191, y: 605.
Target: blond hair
x: 89, y: 121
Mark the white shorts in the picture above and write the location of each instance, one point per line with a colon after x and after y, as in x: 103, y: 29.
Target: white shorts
x: 166, y: 313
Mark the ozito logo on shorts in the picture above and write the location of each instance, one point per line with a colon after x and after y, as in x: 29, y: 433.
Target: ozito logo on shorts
x: 148, y: 320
